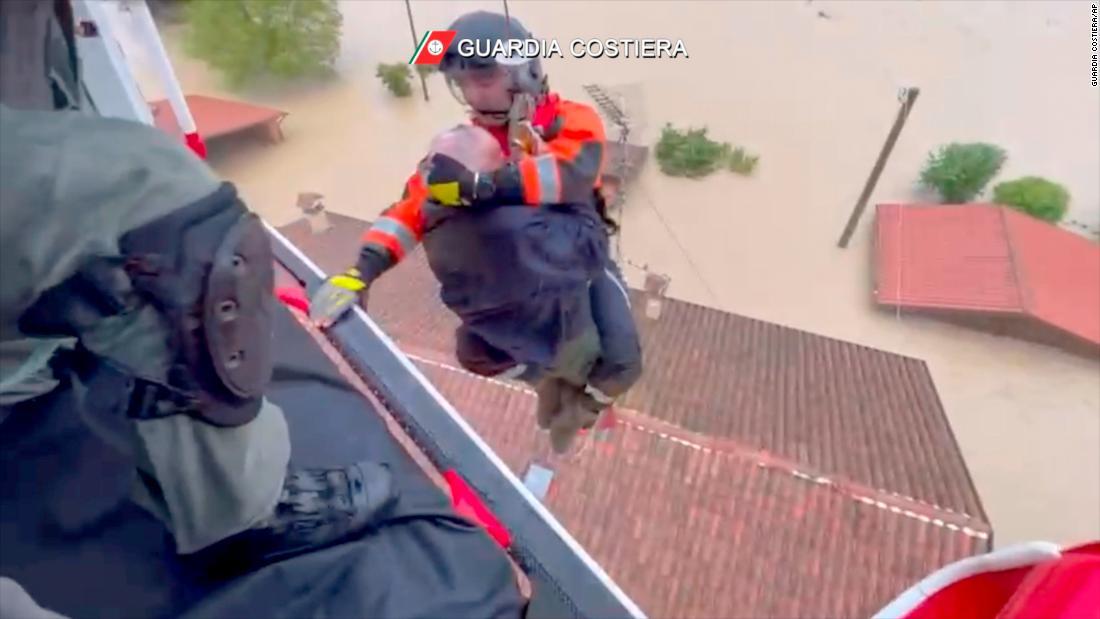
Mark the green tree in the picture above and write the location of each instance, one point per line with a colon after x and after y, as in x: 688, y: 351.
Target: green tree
x: 1035, y: 196
x: 692, y: 154
x: 959, y: 172
x: 741, y: 162
x: 247, y: 39
x: 396, y: 77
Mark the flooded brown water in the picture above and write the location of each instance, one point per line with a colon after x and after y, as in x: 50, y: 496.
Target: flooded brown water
x: 812, y: 88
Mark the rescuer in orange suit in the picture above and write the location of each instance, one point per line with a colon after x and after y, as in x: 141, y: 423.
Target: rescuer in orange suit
x: 555, y: 152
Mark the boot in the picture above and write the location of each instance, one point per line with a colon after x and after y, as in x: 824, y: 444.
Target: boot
x: 549, y: 394
x: 578, y: 411
x: 317, y: 508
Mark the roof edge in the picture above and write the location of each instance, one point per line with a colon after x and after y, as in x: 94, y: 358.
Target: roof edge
x: 982, y: 516
x: 930, y: 305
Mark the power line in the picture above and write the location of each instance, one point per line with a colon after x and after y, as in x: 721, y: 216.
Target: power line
x: 687, y: 255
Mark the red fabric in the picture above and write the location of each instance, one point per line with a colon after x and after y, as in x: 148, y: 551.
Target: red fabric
x: 979, y: 597
x: 1092, y: 548
x: 469, y: 505
x: 1065, y: 589
x: 294, y: 297
x: 1068, y: 588
x: 195, y: 143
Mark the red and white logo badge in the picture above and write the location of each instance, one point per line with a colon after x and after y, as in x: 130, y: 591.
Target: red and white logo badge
x: 432, y: 47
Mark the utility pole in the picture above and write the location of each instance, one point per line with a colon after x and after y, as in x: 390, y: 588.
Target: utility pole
x: 412, y: 30
x: 908, y: 96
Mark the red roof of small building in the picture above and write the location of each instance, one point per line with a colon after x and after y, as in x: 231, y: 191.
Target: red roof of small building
x: 987, y: 258
x: 756, y: 470
x: 214, y: 117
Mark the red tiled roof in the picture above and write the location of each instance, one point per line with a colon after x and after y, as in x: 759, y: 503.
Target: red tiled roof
x: 694, y: 527
x: 989, y: 259
x: 1060, y: 271
x: 869, y: 415
x: 767, y: 471
x: 214, y: 117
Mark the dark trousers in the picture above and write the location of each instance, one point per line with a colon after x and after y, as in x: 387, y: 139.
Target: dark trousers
x: 607, y: 356
x: 620, y: 363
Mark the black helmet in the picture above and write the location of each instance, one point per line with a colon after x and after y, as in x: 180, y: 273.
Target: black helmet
x: 486, y: 30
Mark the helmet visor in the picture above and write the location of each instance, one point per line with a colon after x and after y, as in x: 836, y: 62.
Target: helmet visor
x: 483, y: 88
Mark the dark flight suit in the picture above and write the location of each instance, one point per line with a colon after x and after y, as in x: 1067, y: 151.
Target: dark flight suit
x: 73, y: 184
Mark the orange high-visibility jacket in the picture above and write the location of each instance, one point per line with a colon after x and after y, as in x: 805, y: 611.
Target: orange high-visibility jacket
x: 567, y: 173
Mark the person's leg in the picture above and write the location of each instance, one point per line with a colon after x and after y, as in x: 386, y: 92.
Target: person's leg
x: 206, y: 482
x: 563, y: 407
x: 212, y: 482
x: 548, y: 394
x: 620, y: 362
x: 226, y: 488
x: 577, y: 357
x: 605, y: 361
x: 228, y: 495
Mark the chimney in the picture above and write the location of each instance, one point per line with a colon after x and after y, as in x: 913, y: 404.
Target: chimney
x: 655, y: 288
x: 313, y: 206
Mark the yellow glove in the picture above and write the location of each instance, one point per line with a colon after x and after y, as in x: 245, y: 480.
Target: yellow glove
x: 335, y: 297
x: 452, y: 184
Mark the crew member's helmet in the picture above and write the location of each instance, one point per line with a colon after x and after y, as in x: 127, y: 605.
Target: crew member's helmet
x: 487, y: 32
